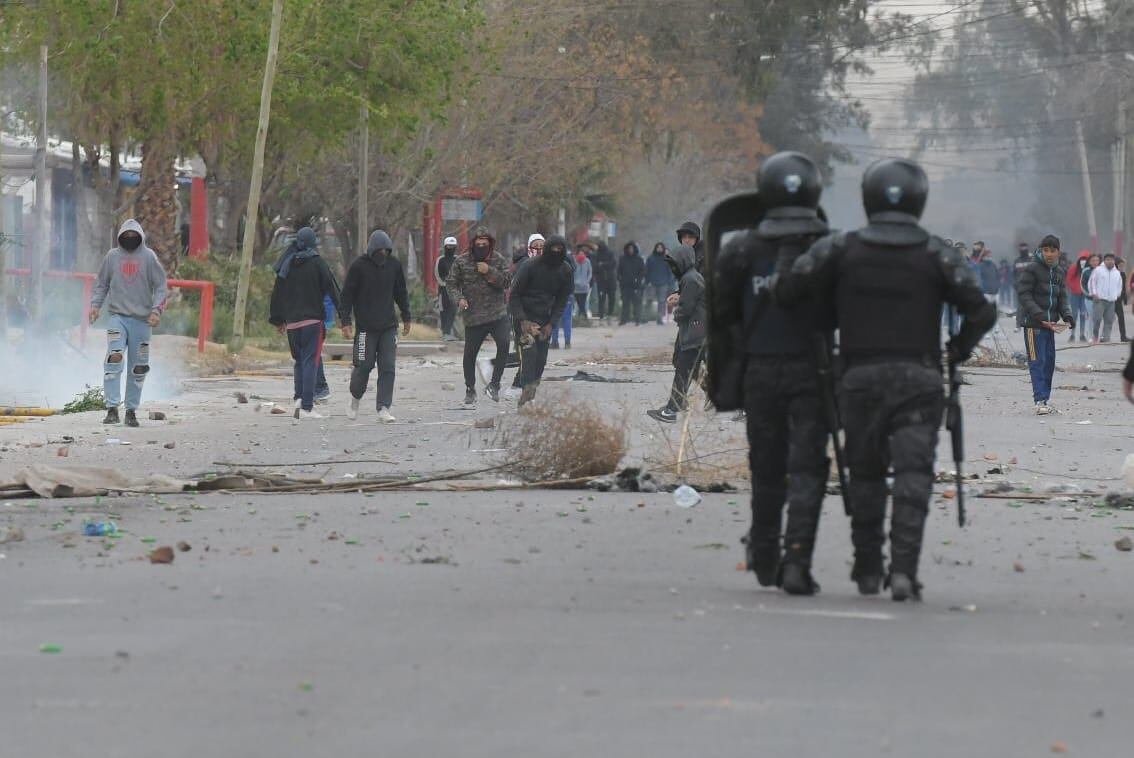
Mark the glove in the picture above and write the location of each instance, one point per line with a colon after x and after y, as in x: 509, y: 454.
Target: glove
x: 1070, y: 322
x: 954, y: 354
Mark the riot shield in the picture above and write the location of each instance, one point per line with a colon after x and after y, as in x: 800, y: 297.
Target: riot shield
x: 725, y: 277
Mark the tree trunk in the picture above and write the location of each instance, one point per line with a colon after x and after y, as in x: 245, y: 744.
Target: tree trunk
x: 155, y: 202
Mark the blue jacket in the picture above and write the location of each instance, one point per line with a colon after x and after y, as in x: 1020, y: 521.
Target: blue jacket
x: 657, y: 271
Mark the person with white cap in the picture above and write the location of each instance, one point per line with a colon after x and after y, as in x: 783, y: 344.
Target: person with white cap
x: 448, y: 306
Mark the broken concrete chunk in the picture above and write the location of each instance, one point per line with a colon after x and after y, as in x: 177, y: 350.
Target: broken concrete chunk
x: 163, y: 554
x: 1124, y: 545
x: 157, y: 416
x: 485, y: 423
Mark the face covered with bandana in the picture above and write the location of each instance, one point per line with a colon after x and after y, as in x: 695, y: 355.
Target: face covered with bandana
x: 130, y: 241
x: 481, y: 249
x: 554, y: 253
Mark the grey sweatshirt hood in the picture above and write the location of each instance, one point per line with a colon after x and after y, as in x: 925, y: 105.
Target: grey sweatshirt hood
x: 131, y: 225
x: 379, y: 240
x: 684, y: 258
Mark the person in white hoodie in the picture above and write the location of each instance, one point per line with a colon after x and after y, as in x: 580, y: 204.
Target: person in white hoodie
x: 1104, y: 287
x: 132, y: 284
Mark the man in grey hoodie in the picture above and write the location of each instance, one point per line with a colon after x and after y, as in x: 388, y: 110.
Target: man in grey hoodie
x: 690, y: 312
x: 132, y: 284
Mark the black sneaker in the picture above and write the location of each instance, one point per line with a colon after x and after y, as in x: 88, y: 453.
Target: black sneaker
x: 493, y: 392
x: 868, y: 575
x: 131, y: 419
x: 470, y: 396
x: 904, y: 587
x: 111, y: 416
x: 665, y: 415
x: 796, y: 580
x: 766, y: 569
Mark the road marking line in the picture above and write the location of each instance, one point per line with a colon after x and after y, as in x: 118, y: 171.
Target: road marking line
x: 859, y: 615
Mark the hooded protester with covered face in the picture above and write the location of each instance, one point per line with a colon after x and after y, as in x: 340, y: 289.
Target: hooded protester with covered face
x: 448, y: 304
x: 132, y: 284
x: 374, y: 284
x: 690, y: 314
x: 302, y: 281
x: 606, y: 279
x: 631, y: 278
x: 479, y: 281
x: 540, y: 294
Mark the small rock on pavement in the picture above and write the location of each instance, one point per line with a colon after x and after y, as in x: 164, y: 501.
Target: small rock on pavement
x: 1124, y: 544
x: 485, y: 423
x: 1059, y: 746
x: 11, y: 534
x: 448, y: 387
x: 184, y: 547
x: 163, y: 554
x: 1018, y: 567
x: 278, y: 410
x: 169, y: 445
x: 241, y: 398
x: 63, y: 452
x: 157, y: 416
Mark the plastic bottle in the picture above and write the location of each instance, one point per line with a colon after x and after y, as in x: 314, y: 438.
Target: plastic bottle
x: 99, y: 528
x: 686, y: 497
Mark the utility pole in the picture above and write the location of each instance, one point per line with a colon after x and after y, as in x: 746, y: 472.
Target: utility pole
x: 1088, y: 196
x: 363, y: 178
x: 253, y: 211
x: 3, y: 255
x: 1120, y: 180
x: 42, y: 233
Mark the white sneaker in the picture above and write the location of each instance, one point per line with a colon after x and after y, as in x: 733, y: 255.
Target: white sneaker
x: 384, y: 416
x: 1042, y: 409
x: 352, y: 409
x: 312, y: 414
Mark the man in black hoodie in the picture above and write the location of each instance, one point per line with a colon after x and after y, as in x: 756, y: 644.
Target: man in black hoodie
x: 689, y: 234
x: 606, y: 280
x: 631, y: 278
x: 374, y: 284
x: 540, y: 291
x: 302, y: 281
x: 690, y: 313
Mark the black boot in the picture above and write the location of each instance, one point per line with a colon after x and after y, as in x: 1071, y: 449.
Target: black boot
x: 904, y: 587
x: 867, y: 534
x: 111, y: 416
x: 131, y: 418
x: 868, y: 573
x: 796, y: 580
x: 764, y: 562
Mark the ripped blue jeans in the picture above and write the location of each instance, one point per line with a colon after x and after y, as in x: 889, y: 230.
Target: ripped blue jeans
x: 127, y: 347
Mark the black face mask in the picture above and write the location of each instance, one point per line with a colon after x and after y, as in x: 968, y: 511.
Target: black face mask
x: 555, y: 255
x: 130, y: 241
x: 450, y: 250
x: 481, y: 252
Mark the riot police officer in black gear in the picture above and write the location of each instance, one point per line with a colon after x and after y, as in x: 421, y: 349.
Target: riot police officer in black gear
x: 887, y: 282
x: 787, y: 432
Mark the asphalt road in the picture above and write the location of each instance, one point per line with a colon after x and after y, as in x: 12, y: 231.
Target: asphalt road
x: 543, y: 623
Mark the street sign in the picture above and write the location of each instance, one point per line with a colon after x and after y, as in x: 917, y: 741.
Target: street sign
x: 461, y: 209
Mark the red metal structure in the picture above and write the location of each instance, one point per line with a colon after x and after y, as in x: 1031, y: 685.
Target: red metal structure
x: 452, y: 204
x: 204, y: 321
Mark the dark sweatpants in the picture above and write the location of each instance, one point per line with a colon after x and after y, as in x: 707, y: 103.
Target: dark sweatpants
x: 891, y: 412
x: 605, y: 300
x: 448, y: 312
x: 306, y: 343
x: 631, y: 305
x: 686, y: 366
x: 533, y: 360
x: 370, y: 349
x: 475, y: 336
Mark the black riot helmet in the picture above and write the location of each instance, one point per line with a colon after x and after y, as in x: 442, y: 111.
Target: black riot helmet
x: 894, y: 185
x: 789, y: 180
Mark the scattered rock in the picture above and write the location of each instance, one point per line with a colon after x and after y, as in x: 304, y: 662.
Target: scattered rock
x: 157, y: 416
x: 169, y: 445
x: 163, y: 554
x: 63, y: 452
x: 278, y: 411
x: 333, y: 536
x: 11, y: 534
x: 275, y: 548
x: 241, y: 398
x: 448, y: 387
x: 184, y: 547
x: 1012, y: 461
x: 1124, y: 545
x: 991, y: 457
x: 1018, y: 567
x: 1059, y: 747
x: 485, y: 423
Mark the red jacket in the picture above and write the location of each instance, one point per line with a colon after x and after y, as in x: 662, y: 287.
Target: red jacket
x: 1075, y: 274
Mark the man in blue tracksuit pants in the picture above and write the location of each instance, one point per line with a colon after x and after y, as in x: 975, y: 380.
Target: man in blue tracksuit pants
x: 1043, y: 302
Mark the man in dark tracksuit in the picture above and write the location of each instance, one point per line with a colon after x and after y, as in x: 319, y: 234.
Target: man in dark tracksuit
x: 374, y: 284
x: 631, y: 279
x: 448, y: 305
x: 479, y: 280
x: 540, y: 291
x: 690, y: 313
x: 1042, y: 290
x: 787, y: 431
x: 1023, y: 260
x: 302, y: 281
x: 888, y: 282
x: 606, y: 280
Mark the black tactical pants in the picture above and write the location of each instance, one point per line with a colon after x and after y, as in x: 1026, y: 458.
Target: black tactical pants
x: 605, y: 299
x: 686, y: 368
x: 631, y: 305
x: 448, y: 312
x: 533, y: 360
x: 787, y: 454
x: 370, y: 349
x: 891, y: 412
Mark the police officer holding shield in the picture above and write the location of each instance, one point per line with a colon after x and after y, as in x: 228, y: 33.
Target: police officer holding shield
x: 888, y: 282
x: 787, y: 431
